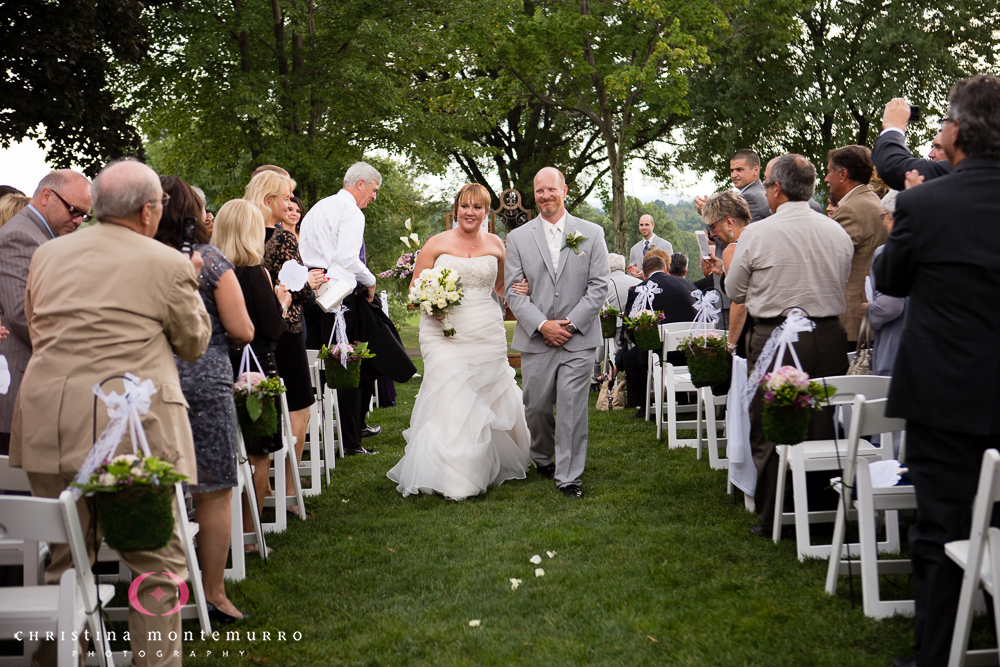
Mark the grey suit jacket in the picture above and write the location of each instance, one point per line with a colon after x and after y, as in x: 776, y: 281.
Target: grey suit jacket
x: 757, y: 200
x: 575, y: 292
x: 635, y: 255
x: 19, y: 239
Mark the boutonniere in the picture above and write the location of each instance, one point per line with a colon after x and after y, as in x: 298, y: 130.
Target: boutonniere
x: 573, y: 241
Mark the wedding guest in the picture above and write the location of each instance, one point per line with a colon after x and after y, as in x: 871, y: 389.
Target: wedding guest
x: 11, y: 205
x: 209, y: 218
x: 648, y: 242
x: 9, y: 190
x: 728, y: 214
x: 849, y: 171
x: 239, y: 234
x: 674, y: 300
x: 618, y: 293
x: 208, y: 387
x: 678, y: 265
x: 60, y: 203
x: 271, y: 193
x: 296, y: 211
x: 333, y: 232
x: 795, y: 258
x: 944, y: 255
x: 885, y: 313
x: 891, y: 156
x: 89, y: 325
x: 270, y: 167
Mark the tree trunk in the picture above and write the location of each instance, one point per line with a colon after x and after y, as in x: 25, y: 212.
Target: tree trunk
x: 618, y: 204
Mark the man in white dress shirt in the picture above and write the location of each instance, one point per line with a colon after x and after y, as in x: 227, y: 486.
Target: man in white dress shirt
x: 648, y: 242
x: 334, y: 232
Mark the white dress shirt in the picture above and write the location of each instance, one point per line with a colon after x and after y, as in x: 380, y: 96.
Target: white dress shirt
x: 333, y: 232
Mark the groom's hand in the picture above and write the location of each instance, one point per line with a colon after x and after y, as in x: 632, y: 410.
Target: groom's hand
x: 554, y: 332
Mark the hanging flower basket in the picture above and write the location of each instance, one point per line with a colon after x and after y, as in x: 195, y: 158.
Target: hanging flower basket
x: 609, y: 326
x: 786, y: 425
x: 648, y: 338
x: 337, y: 376
x: 265, y: 425
x: 707, y: 359
x: 135, y: 501
x: 140, y: 518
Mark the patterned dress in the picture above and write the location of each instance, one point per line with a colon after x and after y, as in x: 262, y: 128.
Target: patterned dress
x: 208, y: 388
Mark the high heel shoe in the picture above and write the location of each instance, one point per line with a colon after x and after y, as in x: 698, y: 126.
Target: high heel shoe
x: 219, y: 616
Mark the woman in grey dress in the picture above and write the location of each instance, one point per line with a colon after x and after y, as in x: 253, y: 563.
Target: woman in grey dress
x: 208, y: 388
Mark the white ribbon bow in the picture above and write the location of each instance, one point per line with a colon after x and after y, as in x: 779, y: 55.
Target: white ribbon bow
x: 644, y: 297
x: 708, y: 311
x: 125, y: 411
x: 795, y: 323
x: 340, y: 332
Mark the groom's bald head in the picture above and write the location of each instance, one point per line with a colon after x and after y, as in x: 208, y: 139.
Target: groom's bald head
x: 550, y: 190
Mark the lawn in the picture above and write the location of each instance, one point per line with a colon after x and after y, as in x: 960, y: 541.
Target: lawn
x: 654, y: 567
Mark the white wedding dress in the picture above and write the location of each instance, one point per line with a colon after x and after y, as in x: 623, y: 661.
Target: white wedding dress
x: 467, y: 429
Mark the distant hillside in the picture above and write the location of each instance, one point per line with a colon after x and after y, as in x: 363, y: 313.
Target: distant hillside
x: 683, y: 215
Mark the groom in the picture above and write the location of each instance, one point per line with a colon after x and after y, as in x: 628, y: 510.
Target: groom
x: 565, y: 262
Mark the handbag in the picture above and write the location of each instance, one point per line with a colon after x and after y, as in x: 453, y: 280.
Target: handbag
x: 862, y: 362
x: 611, y: 396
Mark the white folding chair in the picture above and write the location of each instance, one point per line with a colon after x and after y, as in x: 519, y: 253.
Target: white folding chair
x: 27, y: 554
x: 711, y: 403
x: 668, y: 380
x: 64, y: 609
x: 187, y: 531
x: 333, y: 435
x: 979, y: 557
x: 868, y: 418
x: 317, y: 418
x: 238, y: 539
x: 312, y: 469
x: 280, y: 499
x: 823, y: 455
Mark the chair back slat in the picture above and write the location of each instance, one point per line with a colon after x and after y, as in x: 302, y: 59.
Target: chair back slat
x: 849, y: 386
x: 26, y: 518
x: 12, y: 479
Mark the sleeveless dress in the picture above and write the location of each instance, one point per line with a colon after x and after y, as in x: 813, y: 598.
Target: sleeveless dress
x: 467, y: 429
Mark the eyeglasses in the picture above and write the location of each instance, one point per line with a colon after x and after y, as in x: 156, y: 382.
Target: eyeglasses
x: 164, y: 200
x: 768, y: 184
x: 73, y: 210
x: 944, y: 121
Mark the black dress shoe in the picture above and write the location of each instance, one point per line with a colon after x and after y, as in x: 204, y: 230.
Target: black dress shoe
x: 572, y: 491
x: 370, y: 431
x: 219, y: 616
x: 904, y: 662
x: 640, y: 414
x: 548, y: 472
x: 760, y: 531
x: 359, y: 450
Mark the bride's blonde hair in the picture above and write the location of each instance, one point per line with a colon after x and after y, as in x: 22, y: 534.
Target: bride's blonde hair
x: 472, y: 192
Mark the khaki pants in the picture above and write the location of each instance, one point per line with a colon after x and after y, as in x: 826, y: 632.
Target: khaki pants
x: 146, y: 652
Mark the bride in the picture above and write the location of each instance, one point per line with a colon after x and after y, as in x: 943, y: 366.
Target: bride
x: 467, y: 429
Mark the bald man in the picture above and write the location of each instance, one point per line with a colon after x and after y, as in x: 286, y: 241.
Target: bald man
x: 649, y: 241
x: 60, y: 203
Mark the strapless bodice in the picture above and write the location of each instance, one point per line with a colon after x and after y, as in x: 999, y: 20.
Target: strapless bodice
x: 478, y: 274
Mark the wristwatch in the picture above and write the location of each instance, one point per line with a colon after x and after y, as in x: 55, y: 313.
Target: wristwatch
x: 571, y: 328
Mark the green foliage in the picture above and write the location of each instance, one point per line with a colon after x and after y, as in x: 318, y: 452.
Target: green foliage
x: 355, y: 352
x: 645, y: 318
x: 126, y: 471
x: 806, y: 77
x: 55, y: 89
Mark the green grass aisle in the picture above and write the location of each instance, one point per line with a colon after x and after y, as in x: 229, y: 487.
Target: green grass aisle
x: 655, y: 566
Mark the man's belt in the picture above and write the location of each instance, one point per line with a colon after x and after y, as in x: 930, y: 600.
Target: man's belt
x: 775, y: 321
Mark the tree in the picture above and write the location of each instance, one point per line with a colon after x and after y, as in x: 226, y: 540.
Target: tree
x: 55, y: 57
x: 617, y: 64
x: 809, y: 77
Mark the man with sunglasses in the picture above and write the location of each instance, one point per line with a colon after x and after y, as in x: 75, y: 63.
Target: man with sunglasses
x: 60, y: 203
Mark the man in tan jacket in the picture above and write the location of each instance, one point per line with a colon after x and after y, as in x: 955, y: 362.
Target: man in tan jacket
x: 102, y: 302
x: 849, y: 171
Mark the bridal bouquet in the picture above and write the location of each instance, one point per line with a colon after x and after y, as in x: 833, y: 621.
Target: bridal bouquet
x: 135, y: 500
x: 255, y: 394
x: 437, y: 291
x: 789, y: 398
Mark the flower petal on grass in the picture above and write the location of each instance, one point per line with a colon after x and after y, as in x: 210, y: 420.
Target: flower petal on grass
x: 474, y: 623
x: 514, y: 583
x: 536, y: 559
x: 550, y: 554
x: 539, y: 572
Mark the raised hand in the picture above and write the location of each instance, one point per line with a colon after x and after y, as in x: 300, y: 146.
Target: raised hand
x: 913, y: 177
x: 896, y: 114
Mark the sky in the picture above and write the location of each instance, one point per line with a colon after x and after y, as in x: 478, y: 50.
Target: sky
x: 23, y: 166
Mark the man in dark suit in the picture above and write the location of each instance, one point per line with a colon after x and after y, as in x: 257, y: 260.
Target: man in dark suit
x: 891, y: 156
x: 945, y: 381
x: 674, y: 300
x: 59, y: 205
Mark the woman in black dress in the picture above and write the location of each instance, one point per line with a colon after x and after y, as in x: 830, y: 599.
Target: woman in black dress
x: 239, y: 234
x: 208, y: 388
x: 271, y: 193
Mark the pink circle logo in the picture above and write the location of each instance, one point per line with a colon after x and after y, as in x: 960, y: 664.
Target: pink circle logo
x: 159, y: 593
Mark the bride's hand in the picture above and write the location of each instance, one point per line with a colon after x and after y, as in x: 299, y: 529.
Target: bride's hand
x: 439, y: 317
x: 522, y: 287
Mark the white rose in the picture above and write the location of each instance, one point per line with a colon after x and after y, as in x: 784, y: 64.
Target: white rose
x: 453, y: 296
x: 442, y: 303
x: 107, y: 479
x: 426, y: 307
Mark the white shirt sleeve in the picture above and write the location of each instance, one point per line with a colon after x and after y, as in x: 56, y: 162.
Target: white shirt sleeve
x: 892, y: 129
x: 347, y: 252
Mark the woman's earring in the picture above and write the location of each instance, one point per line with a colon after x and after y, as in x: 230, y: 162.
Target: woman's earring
x: 731, y: 235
